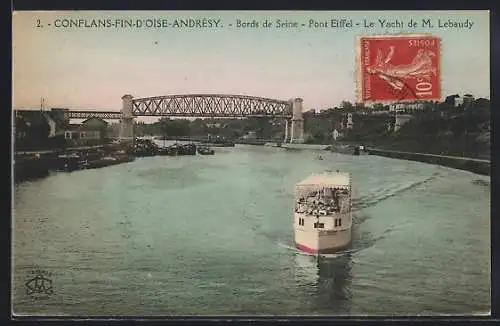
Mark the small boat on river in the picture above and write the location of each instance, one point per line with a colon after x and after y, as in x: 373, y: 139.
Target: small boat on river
x: 322, y: 217
x: 205, y: 150
x: 177, y: 149
x: 360, y: 150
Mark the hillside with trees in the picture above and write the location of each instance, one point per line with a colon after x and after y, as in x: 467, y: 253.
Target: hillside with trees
x: 463, y: 130
x: 441, y: 128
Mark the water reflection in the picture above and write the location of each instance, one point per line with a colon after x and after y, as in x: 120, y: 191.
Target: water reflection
x: 334, y: 281
x: 327, y: 280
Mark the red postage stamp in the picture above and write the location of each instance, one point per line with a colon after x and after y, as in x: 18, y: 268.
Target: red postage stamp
x: 394, y: 68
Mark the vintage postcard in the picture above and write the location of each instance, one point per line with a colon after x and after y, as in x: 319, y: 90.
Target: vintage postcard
x: 260, y: 163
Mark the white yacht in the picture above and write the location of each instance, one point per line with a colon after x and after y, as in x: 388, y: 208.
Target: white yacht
x: 322, y: 217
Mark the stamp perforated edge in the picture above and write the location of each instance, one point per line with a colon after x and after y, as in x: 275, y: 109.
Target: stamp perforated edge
x: 359, y: 67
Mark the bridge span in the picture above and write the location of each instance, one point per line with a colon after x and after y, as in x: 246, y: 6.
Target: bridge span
x: 211, y: 105
x: 105, y: 115
x: 203, y: 106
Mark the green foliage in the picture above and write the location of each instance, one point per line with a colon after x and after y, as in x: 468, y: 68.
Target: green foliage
x: 177, y: 127
x: 234, y: 128
x: 438, y: 128
x: 449, y: 130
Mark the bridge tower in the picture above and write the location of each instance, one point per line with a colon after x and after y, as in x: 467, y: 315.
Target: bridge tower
x: 127, y: 119
x: 297, y: 125
x: 286, y: 139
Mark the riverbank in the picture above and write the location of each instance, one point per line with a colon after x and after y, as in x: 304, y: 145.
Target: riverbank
x: 305, y: 146
x: 475, y: 165
x: 30, y: 165
x: 147, y: 147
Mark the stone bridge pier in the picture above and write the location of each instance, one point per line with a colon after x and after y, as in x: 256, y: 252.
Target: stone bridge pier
x: 294, y: 131
x: 127, y: 120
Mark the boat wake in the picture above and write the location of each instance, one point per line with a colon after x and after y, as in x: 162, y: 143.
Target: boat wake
x: 292, y: 248
x: 359, y: 241
x: 382, y: 194
x: 339, y: 254
x: 303, y: 253
x: 482, y: 183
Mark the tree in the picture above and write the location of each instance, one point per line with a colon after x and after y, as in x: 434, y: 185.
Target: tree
x: 175, y: 128
x: 346, y: 105
x: 450, y: 100
x: 359, y: 105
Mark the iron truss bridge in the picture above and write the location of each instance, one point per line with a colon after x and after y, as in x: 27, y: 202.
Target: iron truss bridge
x: 211, y: 105
x: 93, y: 114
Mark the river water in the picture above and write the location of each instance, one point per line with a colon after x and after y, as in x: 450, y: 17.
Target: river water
x: 212, y: 235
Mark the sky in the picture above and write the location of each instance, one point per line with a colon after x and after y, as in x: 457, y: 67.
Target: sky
x: 92, y: 68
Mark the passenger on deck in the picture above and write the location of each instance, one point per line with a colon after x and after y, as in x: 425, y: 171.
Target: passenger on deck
x: 336, y: 198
